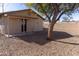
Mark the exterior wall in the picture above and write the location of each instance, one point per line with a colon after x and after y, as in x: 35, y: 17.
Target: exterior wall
x: 3, y: 25
x: 34, y: 25
x: 14, y: 26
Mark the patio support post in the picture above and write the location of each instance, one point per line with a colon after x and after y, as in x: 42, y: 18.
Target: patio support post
x: 8, y: 26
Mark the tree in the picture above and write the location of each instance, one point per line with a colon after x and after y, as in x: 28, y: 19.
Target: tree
x: 53, y: 12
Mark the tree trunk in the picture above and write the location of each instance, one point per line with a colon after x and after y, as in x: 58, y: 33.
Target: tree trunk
x: 50, y: 31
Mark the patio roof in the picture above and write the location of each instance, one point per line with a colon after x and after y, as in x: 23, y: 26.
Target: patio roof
x: 23, y: 16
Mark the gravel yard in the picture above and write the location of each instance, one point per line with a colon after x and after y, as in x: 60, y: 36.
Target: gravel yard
x: 65, y: 43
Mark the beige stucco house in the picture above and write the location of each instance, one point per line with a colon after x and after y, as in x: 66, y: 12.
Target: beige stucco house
x: 20, y: 22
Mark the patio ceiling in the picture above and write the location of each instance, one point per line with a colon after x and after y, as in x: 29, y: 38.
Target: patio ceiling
x: 21, y: 17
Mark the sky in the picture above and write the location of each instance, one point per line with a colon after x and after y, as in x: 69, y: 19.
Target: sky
x: 13, y: 7
x: 21, y: 6
x: 76, y: 16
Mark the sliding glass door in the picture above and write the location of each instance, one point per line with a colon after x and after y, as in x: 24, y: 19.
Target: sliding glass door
x: 23, y: 25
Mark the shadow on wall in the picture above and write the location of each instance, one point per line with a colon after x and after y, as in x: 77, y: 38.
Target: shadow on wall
x: 40, y: 37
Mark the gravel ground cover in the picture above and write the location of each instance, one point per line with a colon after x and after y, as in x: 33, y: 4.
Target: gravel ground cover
x: 65, y: 43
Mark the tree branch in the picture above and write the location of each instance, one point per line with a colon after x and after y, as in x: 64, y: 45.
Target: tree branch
x: 51, y: 14
x: 55, y: 12
x: 60, y: 15
x: 45, y: 12
x: 71, y: 9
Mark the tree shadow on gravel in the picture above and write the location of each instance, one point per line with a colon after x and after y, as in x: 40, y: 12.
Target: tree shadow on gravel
x: 40, y: 37
x: 68, y: 42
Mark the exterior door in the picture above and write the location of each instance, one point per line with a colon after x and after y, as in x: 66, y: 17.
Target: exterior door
x: 23, y: 25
